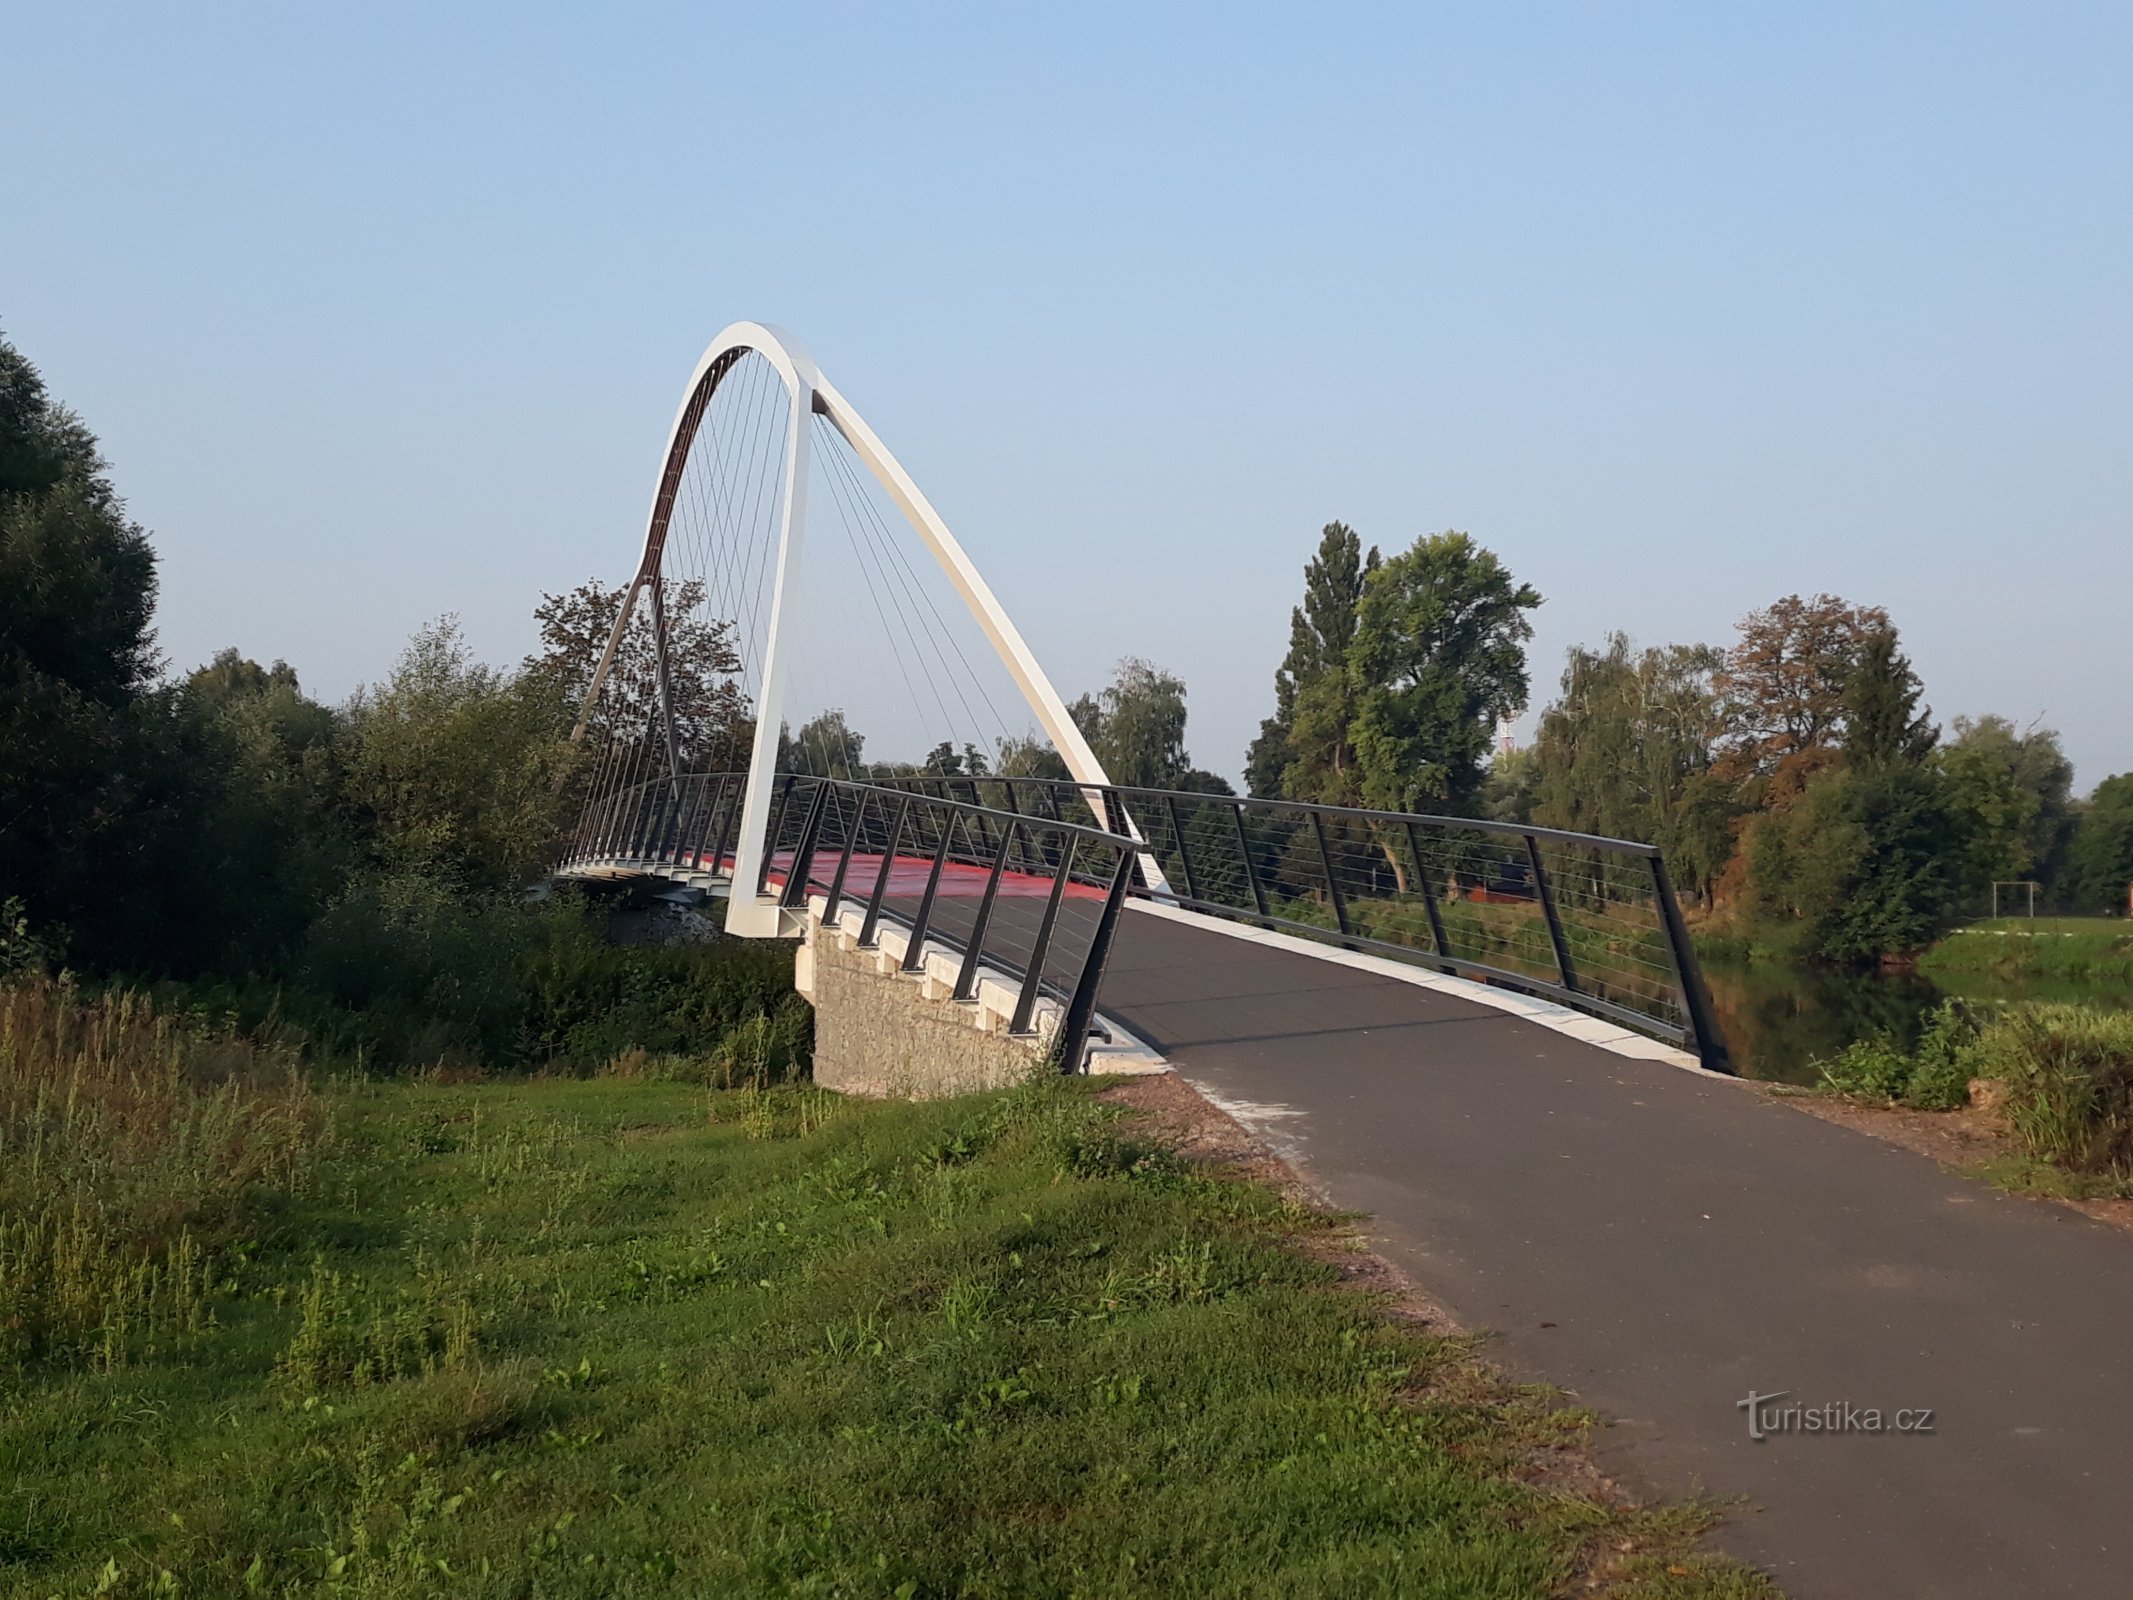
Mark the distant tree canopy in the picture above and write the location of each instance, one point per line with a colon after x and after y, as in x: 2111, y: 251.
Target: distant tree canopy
x: 825, y: 746
x: 1136, y: 727
x: 1783, y: 686
x: 713, y: 722
x: 1798, y: 778
x: 1629, y: 750
x: 1396, y: 673
x: 1315, y: 669
x: 2009, y: 794
x: 2100, y: 855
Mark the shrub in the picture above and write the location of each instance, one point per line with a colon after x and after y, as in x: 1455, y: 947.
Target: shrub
x: 1936, y: 1077
x: 2068, y: 1072
x: 1872, y: 1069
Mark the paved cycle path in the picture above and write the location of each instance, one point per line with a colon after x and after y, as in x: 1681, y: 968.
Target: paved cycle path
x: 1660, y: 1243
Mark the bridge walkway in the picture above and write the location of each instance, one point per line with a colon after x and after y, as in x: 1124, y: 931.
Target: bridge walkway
x: 1660, y: 1242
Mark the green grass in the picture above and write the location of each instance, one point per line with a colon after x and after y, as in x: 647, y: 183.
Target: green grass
x: 2043, y: 948
x: 612, y: 1338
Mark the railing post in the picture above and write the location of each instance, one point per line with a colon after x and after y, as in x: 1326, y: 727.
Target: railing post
x: 966, y: 980
x: 1244, y: 849
x: 1333, y: 888
x: 844, y: 862
x: 777, y: 824
x: 803, y: 855
x: 1429, y: 891
x: 914, y: 953
x: 1033, y: 979
x: 726, y: 815
x: 1081, y: 1009
x: 881, y: 876
x: 1688, y: 976
x: 1555, y: 923
x: 1177, y: 832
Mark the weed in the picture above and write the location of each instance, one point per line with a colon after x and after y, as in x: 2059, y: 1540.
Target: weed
x: 349, y: 1334
x: 2068, y: 1075
x: 131, y: 1145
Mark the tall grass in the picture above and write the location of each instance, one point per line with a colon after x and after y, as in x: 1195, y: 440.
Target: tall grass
x: 130, y: 1143
x: 2068, y: 1072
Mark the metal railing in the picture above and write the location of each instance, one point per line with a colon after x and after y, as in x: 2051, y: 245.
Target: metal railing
x: 1034, y: 899
x: 1590, y: 922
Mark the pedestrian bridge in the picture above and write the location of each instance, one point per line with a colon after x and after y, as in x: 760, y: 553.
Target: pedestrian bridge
x: 1474, y: 1032
x: 1019, y: 864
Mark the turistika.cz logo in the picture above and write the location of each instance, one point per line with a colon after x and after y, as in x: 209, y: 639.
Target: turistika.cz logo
x: 1767, y: 1418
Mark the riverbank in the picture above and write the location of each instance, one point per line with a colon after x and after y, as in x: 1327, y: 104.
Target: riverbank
x: 2045, y: 949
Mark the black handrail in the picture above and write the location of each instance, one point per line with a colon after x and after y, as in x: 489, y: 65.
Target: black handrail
x: 1310, y: 865
x: 661, y: 826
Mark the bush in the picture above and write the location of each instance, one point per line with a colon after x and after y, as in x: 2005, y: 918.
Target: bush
x: 2068, y: 1073
x: 1936, y: 1077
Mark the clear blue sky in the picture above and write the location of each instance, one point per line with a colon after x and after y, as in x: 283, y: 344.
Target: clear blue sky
x: 382, y: 311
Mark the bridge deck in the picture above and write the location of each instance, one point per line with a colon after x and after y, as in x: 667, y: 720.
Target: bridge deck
x: 1660, y: 1243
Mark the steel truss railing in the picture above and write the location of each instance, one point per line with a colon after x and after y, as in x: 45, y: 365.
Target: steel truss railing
x: 1590, y: 922
x: 1033, y: 898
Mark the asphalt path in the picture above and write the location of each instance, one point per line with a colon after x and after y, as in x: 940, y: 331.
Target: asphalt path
x: 1661, y: 1244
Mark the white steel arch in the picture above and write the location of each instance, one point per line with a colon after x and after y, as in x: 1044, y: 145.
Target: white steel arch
x: 810, y: 393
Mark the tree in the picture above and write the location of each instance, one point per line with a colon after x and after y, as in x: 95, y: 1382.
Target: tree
x: 825, y: 747
x: 1030, y: 756
x: 712, y: 721
x: 1320, y: 633
x: 1438, y: 656
x: 944, y: 760
x: 1884, y: 725
x: 1628, y: 751
x: 453, y: 767
x: 2009, y: 793
x: 269, y: 847
x: 77, y: 660
x: 1783, y: 688
x: 1136, y: 726
x: 1867, y: 860
x: 2100, y: 858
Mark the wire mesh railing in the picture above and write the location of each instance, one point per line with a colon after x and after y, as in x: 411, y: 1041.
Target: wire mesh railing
x: 1032, y: 901
x: 1587, y: 921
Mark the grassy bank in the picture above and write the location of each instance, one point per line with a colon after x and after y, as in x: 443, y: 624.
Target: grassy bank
x: 631, y: 1337
x: 2059, y: 1077
x: 2046, y: 949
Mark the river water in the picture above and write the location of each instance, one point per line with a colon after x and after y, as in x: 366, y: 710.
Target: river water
x: 1779, y: 1019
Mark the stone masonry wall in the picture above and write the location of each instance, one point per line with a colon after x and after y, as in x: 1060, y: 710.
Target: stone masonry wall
x: 883, y: 1034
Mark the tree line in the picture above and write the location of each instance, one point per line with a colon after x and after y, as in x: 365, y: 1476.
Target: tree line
x: 223, y: 824
x: 1794, y: 776
x: 356, y: 872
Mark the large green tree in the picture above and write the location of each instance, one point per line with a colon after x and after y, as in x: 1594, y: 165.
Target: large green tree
x: 1867, y: 862
x: 1629, y: 750
x: 2100, y: 860
x: 2009, y: 792
x: 1312, y: 699
x: 87, y: 805
x: 454, y: 769
x: 1438, y: 656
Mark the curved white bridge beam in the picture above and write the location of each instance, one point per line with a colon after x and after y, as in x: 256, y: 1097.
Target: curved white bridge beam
x: 809, y: 393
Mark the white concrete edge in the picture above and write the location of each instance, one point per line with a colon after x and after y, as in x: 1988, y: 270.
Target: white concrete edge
x: 1562, y: 1019
x: 997, y: 992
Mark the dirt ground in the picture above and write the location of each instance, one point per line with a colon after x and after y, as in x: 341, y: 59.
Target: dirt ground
x: 1958, y: 1140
